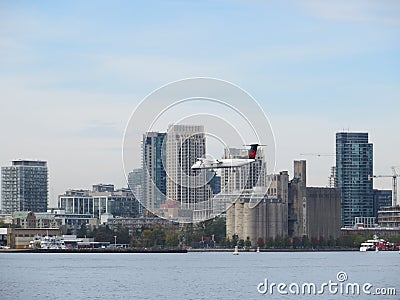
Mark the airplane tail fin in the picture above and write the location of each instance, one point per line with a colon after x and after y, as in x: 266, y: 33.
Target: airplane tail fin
x: 253, y: 151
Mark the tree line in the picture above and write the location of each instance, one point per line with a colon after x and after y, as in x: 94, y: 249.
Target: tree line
x: 209, y: 233
x: 212, y: 233
x: 304, y: 242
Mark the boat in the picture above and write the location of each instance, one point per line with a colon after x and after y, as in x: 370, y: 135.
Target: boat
x: 47, y: 243
x: 236, y: 251
x: 376, y: 244
x: 258, y: 249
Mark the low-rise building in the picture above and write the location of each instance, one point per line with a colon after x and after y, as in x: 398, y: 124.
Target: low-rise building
x: 3, y: 237
x: 389, y: 217
x: 19, y: 238
x: 103, y: 199
x: 53, y: 218
x: 6, y: 218
x: 378, y: 231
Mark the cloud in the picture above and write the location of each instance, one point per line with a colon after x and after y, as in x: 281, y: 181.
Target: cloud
x: 372, y: 11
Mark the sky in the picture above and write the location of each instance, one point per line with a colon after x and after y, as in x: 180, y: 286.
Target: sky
x: 72, y: 73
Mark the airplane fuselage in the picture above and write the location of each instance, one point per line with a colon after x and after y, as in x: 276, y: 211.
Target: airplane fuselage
x: 221, y: 163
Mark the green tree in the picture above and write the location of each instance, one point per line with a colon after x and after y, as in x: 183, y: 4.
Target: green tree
x: 103, y: 234
x: 135, y: 242
x: 305, y: 242
x: 322, y: 242
x: 145, y: 238
x: 235, y: 240
x: 279, y: 241
x: 270, y: 242
x: 215, y: 227
x: 82, y: 232
x: 345, y: 241
x: 193, y: 233
x: 226, y: 243
x: 331, y: 242
x: 296, y: 242
x: 395, y: 239
x: 123, y: 236
x: 247, y: 243
x: 157, y: 237
x: 241, y: 243
x: 172, y: 239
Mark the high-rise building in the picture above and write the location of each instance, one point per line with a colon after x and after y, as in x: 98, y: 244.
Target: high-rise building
x: 154, y: 176
x: 186, y: 143
x: 354, y: 166
x: 135, y: 183
x: 24, y: 186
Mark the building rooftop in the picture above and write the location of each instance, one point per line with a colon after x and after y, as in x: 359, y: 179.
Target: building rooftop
x: 29, y: 163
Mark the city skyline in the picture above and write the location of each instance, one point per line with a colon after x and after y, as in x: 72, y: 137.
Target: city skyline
x: 73, y: 72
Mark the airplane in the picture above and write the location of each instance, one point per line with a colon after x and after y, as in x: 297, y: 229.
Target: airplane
x: 204, y: 163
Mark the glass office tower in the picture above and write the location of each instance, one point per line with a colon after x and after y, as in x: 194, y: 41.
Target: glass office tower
x: 354, y: 166
x: 154, y: 176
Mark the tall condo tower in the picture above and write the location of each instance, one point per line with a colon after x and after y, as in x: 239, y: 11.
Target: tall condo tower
x: 154, y: 176
x: 24, y: 186
x: 186, y: 143
x: 354, y: 166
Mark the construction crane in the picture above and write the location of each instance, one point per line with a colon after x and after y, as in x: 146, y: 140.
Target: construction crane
x: 394, y: 183
x: 318, y: 154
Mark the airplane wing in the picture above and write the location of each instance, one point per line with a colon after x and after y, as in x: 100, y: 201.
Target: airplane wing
x: 219, y: 164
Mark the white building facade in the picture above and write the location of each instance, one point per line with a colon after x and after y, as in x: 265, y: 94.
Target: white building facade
x: 189, y: 188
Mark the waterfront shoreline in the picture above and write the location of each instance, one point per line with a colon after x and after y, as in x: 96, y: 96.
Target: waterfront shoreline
x: 274, y: 250
x: 96, y: 250
x: 150, y: 251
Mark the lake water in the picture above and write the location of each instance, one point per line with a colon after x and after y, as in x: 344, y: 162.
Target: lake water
x: 192, y: 275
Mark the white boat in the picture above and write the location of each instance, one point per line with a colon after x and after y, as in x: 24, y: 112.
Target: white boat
x: 35, y: 243
x: 258, y: 249
x: 376, y: 244
x: 47, y: 242
x: 367, y: 246
x: 236, y: 251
